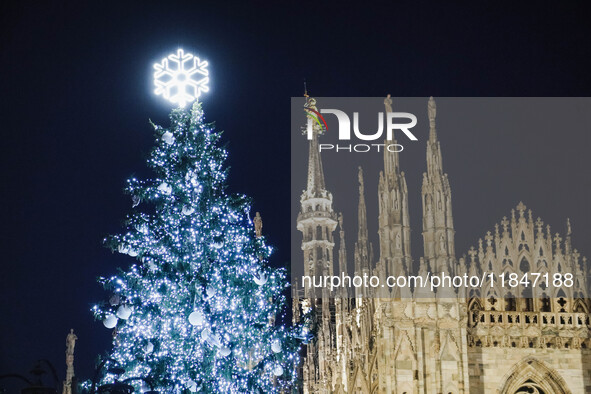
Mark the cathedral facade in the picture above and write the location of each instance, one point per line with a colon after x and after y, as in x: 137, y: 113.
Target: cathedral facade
x: 522, y: 340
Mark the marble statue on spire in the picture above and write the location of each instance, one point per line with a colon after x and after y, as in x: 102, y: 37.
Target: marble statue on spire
x: 360, y: 176
x: 70, y: 344
x: 432, y: 107
x: 388, y: 103
x: 258, y: 225
x: 432, y: 110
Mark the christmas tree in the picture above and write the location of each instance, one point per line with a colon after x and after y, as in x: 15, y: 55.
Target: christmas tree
x: 196, y: 310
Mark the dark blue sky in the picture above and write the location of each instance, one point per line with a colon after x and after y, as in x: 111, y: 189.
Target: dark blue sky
x: 77, y: 95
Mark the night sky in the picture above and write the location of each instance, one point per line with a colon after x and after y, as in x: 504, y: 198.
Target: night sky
x: 76, y: 83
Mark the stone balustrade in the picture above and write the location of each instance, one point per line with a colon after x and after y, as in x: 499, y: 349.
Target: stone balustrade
x: 527, y: 319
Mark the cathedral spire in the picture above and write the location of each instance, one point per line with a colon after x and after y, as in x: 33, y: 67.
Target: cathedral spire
x: 362, y: 210
x: 362, y: 247
x: 434, y: 159
x: 342, y: 266
x: 438, y: 229
x: 391, y: 163
x: 315, y: 185
x: 432, y: 109
x: 317, y: 220
x: 394, y: 223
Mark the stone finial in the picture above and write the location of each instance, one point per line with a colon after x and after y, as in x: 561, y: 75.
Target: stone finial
x: 505, y: 224
x: 472, y: 268
x: 568, y: 227
x: 488, y: 238
x: 539, y: 225
x: 576, y: 256
x: 472, y: 253
x: 521, y: 208
x: 557, y: 240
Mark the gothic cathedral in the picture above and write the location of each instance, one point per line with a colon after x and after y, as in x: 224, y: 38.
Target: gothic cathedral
x: 413, y: 341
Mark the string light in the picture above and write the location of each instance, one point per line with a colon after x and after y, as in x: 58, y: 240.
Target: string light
x: 194, y: 308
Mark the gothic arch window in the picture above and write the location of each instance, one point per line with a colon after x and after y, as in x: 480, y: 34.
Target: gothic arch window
x: 530, y: 387
x: 318, y: 253
x: 492, y: 302
x: 531, y: 376
x: 545, y: 305
x: 475, y: 308
x: 580, y: 307
x: 542, y: 265
x: 528, y: 301
x: 523, y: 246
x: 319, y: 232
x: 441, y: 243
x: 561, y: 302
x: 524, y: 265
x: 510, y: 304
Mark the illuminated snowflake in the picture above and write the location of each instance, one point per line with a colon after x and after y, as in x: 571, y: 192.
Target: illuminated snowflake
x: 177, y: 78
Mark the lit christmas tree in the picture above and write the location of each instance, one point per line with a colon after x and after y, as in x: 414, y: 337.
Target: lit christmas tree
x: 196, y: 312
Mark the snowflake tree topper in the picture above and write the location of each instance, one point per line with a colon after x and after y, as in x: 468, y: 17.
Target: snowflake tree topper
x: 180, y: 78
